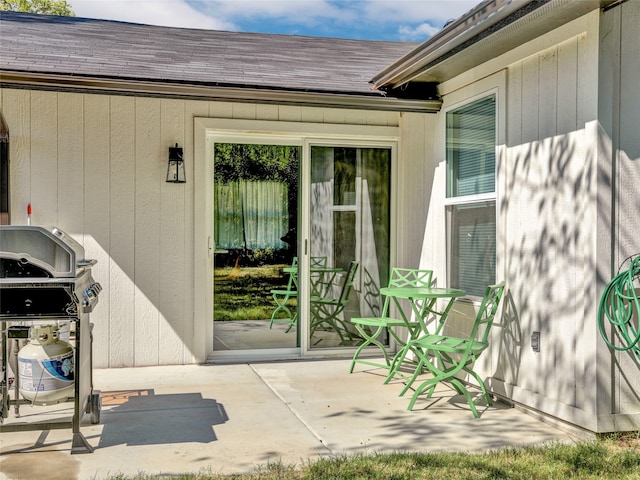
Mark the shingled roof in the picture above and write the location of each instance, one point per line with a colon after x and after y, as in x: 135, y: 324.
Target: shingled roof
x: 81, y: 47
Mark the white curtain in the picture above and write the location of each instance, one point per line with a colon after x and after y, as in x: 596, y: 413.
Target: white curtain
x: 322, y: 220
x: 251, y: 214
x: 369, y: 254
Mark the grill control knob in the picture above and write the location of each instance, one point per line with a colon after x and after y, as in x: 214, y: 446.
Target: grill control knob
x: 90, y: 296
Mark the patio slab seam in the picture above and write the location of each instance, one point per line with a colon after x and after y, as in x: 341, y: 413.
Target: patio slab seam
x: 295, y: 412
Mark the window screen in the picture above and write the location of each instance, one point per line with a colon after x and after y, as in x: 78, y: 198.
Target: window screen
x: 471, y: 225
x: 471, y: 159
x: 472, y: 233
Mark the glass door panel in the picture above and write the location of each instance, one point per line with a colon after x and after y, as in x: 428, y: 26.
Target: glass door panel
x: 255, y: 196
x: 349, y: 242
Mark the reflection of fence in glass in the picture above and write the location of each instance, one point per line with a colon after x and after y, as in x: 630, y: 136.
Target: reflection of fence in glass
x: 251, y: 214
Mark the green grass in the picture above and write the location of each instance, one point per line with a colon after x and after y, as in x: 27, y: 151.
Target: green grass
x: 598, y: 459
x: 244, y: 293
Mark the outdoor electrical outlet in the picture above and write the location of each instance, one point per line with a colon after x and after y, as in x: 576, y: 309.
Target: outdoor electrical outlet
x: 535, y: 341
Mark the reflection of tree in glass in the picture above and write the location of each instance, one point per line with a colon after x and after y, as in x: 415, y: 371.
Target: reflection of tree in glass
x: 234, y: 161
x: 345, y: 176
x: 242, y: 167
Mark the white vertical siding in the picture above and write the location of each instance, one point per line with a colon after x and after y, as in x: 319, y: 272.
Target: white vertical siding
x: 96, y: 218
x: 416, y: 173
x: 630, y: 129
x: 70, y: 178
x: 173, y: 266
x: 16, y: 110
x: 567, y: 80
x: 95, y: 166
x: 548, y: 174
x: 149, y: 170
x: 119, y: 114
x: 44, y: 157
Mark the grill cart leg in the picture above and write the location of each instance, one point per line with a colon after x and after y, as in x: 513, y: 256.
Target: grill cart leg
x: 94, y: 408
x: 79, y: 444
x: 4, y: 382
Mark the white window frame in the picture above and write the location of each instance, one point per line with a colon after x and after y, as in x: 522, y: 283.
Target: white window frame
x: 453, y: 100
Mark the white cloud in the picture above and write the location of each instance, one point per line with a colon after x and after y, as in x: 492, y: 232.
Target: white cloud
x: 272, y: 8
x: 303, y: 12
x: 174, y: 13
x: 421, y: 32
x: 438, y: 12
x: 411, y: 19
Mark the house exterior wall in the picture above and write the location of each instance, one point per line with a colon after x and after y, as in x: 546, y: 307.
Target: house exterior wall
x: 95, y: 166
x: 549, y: 221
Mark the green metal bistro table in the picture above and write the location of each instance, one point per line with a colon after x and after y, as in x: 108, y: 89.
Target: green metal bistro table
x: 321, y: 278
x: 423, y: 302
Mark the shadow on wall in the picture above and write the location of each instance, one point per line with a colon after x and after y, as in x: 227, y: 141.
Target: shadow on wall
x: 558, y: 201
x: 548, y: 208
x: 510, y: 347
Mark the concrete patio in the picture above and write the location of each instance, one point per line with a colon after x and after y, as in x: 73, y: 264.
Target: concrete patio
x: 240, y: 417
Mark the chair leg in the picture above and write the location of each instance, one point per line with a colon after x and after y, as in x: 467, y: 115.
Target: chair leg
x: 439, y: 375
x: 413, y: 377
x: 292, y: 322
x: 481, y: 385
x: 277, y: 309
x: 370, y: 339
x: 398, y: 359
x: 463, y: 390
x: 430, y: 383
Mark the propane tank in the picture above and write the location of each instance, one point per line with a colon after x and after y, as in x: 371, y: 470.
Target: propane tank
x: 46, y: 367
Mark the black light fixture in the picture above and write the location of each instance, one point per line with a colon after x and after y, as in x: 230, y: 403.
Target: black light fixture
x: 175, y: 170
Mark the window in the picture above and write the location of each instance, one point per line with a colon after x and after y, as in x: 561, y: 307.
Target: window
x: 471, y: 195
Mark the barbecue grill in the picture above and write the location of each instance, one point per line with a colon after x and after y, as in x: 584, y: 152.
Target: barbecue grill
x: 45, y: 280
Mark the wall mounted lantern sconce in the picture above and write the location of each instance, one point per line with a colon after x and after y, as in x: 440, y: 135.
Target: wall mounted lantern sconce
x: 175, y: 170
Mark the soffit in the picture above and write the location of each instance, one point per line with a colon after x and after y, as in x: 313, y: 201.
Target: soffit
x: 493, y: 28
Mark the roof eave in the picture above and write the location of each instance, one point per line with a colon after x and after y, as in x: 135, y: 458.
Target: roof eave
x: 464, y: 38
x: 243, y: 94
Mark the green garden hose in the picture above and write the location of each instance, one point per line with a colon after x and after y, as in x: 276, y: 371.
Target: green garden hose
x: 620, y: 306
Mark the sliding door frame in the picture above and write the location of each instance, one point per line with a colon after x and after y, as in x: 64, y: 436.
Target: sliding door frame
x: 208, y: 131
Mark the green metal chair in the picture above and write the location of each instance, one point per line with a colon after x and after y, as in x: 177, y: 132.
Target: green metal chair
x: 318, y: 262
x: 321, y: 281
x: 326, y: 311
x: 371, y: 328
x: 445, y: 357
x: 283, y: 296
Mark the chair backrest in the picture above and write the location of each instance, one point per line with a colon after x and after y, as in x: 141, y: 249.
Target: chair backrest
x: 347, y: 286
x: 406, y: 277
x: 293, y: 276
x: 487, y: 313
x: 318, y: 262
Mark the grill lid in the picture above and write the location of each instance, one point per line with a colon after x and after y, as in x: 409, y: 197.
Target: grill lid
x: 45, y: 248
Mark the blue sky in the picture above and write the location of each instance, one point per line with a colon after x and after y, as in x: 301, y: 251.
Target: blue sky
x: 401, y: 20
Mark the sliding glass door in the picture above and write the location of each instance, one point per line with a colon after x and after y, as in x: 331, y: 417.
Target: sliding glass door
x: 298, y: 233
x: 255, y: 216
x: 350, y: 195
